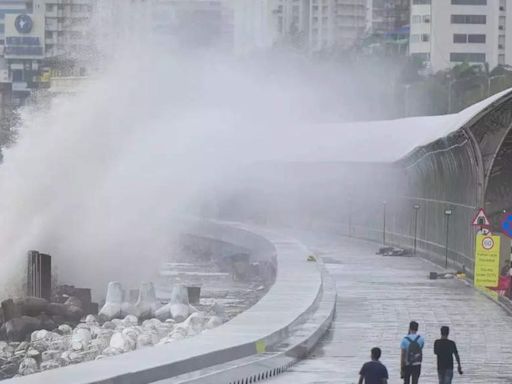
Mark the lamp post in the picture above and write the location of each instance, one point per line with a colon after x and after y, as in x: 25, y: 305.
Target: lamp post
x: 384, y: 223
x: 349, y: 217
x: 416, y: 209
x: 406, y: 99
x: 489, y: 83
x: 450, y: 85
x: 447, y: 213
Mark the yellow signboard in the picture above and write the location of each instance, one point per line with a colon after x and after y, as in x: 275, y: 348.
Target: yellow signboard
x: 487, y: 261
x: 261, y: 346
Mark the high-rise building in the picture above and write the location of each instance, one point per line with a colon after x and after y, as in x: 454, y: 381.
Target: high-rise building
x: 335, y: 23
x: 388, y: 16
x: 449, y: 32
x: 67, y: 29
x: 313, y: 25
x: 194, y: 23
x: 38, y: 35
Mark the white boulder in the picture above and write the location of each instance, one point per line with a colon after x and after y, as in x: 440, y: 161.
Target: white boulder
x: 28, y: 366
x: 80, y: 339
x: 214, y: 322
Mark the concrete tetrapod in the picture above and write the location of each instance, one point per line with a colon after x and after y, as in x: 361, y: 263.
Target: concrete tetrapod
x: 178, y: 307
x: 147, y: 304
x: 113, y: 302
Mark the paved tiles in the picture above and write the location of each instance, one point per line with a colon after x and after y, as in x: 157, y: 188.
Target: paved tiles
x: 378, y: 296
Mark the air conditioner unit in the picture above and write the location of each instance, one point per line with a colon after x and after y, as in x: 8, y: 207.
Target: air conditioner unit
x: 501, y: 27
x: 501, y: 46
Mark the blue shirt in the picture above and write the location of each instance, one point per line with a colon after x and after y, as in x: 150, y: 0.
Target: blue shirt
x: 374, y: 372
x: 405, y: 341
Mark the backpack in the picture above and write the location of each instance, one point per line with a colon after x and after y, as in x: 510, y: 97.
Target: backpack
x: 414, y: 352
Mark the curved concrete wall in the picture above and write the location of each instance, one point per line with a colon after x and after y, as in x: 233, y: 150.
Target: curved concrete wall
x: 292, y: 299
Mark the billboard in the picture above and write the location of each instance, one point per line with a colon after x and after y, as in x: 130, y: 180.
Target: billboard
x: 24, y: 36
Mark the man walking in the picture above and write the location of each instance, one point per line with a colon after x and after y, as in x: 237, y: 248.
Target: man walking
x: 411, y: 354
x: 445, y: 349
x: 374, y: 372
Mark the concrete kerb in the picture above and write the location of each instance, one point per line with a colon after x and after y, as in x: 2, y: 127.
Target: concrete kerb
x: 293, y: 299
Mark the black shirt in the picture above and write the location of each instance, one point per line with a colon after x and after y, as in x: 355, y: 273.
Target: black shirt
x: 373, y: 372
x: 445, y: 349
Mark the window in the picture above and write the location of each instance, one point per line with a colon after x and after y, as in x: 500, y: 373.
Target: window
x: 469, y: 2
x: 467, y: 57
x: 460, y: 38
x: 421, y: 2
x: 416, y: 19
x: 501, y: 59
x: 17, y: 75
x: 463, y: 38
x: 477, y: 39
x: 415, y: 38
x: 425, y: 37
x: 469, y: 19
x: 501, y: 23
x: 423, y: 56
x: 426, y: 19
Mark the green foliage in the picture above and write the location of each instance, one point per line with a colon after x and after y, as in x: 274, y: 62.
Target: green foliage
x: 455, y: 89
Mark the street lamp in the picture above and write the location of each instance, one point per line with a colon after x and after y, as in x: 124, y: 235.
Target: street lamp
x: 489, y: 83
x: 416, y: 209
x: 349, y: 217
x: 447, y: 213
x: 384, y: 224
x: 450, y: 85
x: 406, y: 99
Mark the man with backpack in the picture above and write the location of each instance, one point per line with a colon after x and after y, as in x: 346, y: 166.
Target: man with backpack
x: 411, y: 354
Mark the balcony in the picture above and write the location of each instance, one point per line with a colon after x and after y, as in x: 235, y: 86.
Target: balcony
x: 70, y: 84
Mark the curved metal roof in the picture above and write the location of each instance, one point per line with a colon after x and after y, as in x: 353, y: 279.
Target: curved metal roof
x: 379, y: 141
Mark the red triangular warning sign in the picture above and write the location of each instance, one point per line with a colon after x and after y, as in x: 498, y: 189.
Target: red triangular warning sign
x: 481, y: 219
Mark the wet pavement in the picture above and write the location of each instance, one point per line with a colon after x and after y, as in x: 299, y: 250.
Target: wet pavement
x: 378, y: 296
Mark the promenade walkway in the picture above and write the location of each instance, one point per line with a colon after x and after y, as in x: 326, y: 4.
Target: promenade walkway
x: 378, y: 296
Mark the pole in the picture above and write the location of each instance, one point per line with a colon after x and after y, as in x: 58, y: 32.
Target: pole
x: 447, y: 238
x: 415, y: 229
x: 450, y: 83
x: 384, y: 226
x: 406, y: 100
x: 349, y: 218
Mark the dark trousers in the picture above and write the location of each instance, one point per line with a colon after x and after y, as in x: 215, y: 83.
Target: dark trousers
x: 445, y: 376
x: 412, y: 372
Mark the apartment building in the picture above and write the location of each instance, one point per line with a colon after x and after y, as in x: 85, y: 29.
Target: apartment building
x: 449, y: 32
x: 388, y: 16
x: 312, y: 25
x: 67, y: 31
x: 36, y: 35
x: 194, y: 23
x: 336, y: 23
